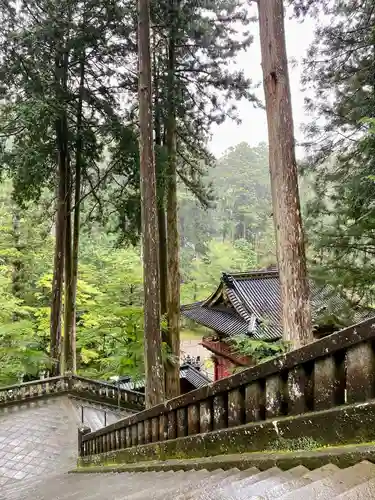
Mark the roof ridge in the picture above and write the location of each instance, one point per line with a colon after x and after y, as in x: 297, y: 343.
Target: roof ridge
x: 264, y: 273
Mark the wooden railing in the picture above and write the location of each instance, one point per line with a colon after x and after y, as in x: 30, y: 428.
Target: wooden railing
x: 335, y: 370
x: 75, y: 385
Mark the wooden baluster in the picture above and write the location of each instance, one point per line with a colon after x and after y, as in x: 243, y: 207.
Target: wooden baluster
x: 274, y: 396
x: 296, y: 391
x: 205, y: 416
x: 134, y: 432
x: 236, y: 408
x: 360, y: 372
x: 193, y: 419
x: 148, y: 433
x: 182, y: 427
x: 220, y: 411
x: 163, y: 428
x: 117, y: 434
x: 155, y: 429
x: 141, y: 433
x: 172, y: 425
x: 122, y: 438
x: 324, y: 383
x: 128, y: 437
x: 255, y: 401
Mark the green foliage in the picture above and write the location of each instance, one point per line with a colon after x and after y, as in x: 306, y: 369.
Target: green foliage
x: 259, y: 350
x: 340, y: 211
x: 243, y: 207
x: 202, y: 274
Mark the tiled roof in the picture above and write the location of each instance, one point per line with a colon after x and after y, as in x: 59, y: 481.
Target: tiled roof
x: 255, y: 297
x: 194, y: 376
x: 187, y: 371
x: 215, y: 318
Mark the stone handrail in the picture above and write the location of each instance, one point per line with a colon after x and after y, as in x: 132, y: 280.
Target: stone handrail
x: 332, y: 371
x: 71, y: 384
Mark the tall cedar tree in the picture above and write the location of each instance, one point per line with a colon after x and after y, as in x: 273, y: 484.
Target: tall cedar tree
x: 291, y: 258
x: 64, y: 107
x: 154, y: 385
x: 340, y: 215
x: 192, y: 88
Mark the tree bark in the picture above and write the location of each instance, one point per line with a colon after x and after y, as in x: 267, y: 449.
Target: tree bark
x: 68, y: 348
x: 58, y: 266
x: 163, y: 258
x: 173, y: 291
x: 77, y: 209
x: 291, y: 257
x: 160, y: 184
x: 154, y: 386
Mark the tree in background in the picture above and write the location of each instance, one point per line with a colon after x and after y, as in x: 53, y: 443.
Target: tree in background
x: 154, y: 385
x: 296, y: 313
x: 340, y: 164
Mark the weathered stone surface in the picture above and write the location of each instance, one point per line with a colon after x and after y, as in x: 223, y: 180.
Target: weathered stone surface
x: 205, y: 412
x: 343, y: 425
x: 320, y: 349
x: 297, y: 387
x: 274, y: 396
x: 36, y: 439
x: 363, y: 491
x: 331, y: 486
x: 360, y: 373
x: 236, y: 408
x: 324, y: 383
x: 254, y: 402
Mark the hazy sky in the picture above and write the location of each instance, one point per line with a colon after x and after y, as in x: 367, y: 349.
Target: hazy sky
x: 253, y: 128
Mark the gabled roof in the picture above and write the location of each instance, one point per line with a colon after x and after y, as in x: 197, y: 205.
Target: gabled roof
x: 187, y: 371
x: 249, y: 303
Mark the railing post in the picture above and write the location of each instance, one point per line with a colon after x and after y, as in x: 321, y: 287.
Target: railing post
x: 82, y: 431
x: 69, y: 378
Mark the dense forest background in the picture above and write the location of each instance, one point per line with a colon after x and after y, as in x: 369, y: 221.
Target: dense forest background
x: 234, y: 233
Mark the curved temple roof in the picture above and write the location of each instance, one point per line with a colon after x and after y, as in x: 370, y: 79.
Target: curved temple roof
x: 249, y: 303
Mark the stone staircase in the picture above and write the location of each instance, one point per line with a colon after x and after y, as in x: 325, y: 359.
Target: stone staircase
x: 298, y: 483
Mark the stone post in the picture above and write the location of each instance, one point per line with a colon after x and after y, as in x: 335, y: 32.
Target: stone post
x: 82, y: 431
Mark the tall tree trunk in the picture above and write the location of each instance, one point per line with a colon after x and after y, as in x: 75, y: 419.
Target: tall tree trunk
x: 173, y: 242
x: 77, y: 209
x: 160, y: 183
x: 17, y: 262
x: 163, y: 257
x: 154, y: 386
x: 68, y: 347
x: 291, y: 257
x: 58, y: 266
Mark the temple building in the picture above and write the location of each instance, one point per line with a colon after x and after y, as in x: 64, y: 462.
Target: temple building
x: 249, y: 304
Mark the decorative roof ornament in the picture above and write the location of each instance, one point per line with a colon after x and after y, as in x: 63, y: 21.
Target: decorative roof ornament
x: 228, y: 280
x: 251, y: 327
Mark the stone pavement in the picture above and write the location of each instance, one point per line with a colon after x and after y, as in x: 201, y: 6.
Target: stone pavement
x: 39, y: 438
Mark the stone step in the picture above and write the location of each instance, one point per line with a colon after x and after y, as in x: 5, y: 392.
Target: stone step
x: 304, y: 478
x: 236, y: 489
x: 230, y: 476
x: 245, y: 489
x: 354, y: 483
x: 364, y: 491
x: 335, y: 484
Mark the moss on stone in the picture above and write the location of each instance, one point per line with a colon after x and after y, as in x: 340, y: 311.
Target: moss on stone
x: 343, y: 425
